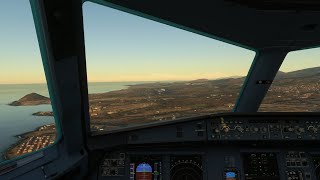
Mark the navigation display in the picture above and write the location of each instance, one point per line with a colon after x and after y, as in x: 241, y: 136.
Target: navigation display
x: 186, y: 167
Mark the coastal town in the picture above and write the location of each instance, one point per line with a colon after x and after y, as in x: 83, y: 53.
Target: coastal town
x: 33, y: 141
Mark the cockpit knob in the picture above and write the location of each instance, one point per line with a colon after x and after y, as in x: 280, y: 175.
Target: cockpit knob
x: 255, y: 129
x: 313, y: 129
x: 216, y: 130
x: 300, y: 129
x: 226, y: 129
x: 240, y: 129
x: 263, y: 129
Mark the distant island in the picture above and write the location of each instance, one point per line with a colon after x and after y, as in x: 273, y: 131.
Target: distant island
x: 31, y: 99
x: 43, y: 113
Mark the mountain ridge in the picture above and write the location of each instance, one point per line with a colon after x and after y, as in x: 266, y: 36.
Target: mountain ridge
x: 299, y: 73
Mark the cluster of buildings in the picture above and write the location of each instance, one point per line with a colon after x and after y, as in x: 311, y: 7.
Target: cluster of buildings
x: 94, y: 110
x: 35, y: 143
x: 39, y: 139
x: 302, y: 91
x: 47, y: 127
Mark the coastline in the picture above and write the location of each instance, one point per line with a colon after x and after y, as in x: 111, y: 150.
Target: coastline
x: 5, y: 153
x: 22, y: 139
x: 43, y: 113
x: 144, y: 103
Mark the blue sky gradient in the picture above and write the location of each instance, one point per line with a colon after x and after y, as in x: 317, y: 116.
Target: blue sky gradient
x: 124, y: 47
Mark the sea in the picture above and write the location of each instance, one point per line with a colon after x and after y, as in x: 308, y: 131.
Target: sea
x: 15, y: 120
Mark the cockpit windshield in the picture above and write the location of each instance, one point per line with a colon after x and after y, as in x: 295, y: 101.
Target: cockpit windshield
x: 296, y: 87
x: 141, y: 71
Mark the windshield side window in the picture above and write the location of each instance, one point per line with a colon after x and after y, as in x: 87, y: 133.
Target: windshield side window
x: 26, y: 117
x: 296, y: 87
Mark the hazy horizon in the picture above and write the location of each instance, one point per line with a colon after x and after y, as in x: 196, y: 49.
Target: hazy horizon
x: 127, y: 81
x: 227, y: 77
x: 176, y: 80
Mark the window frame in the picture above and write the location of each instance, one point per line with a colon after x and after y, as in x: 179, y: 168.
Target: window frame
x: 41, y: 155
x: 301, y: 49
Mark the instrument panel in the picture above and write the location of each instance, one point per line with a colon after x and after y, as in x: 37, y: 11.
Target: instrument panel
x: 218, y: 164
x: 153, y: 166
x: 264, y: 129
x: 218, y: 147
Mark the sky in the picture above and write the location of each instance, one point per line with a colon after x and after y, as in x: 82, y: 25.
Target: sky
x: 124, y: 47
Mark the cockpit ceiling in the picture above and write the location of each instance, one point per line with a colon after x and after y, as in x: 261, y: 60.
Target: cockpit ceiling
x: 237, y: 21
x: 298, y: 5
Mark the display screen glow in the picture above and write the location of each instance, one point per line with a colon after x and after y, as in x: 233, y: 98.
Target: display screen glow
x: 144, y: 167
x: 230, y: 175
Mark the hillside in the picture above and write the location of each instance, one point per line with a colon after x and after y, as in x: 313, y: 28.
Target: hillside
x: 149, y: 102
x: 299, y: 73
x: 295, y: 91
x: 31, y: 99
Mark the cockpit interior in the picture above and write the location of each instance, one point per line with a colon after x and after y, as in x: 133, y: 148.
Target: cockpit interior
x: 160, y: 90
